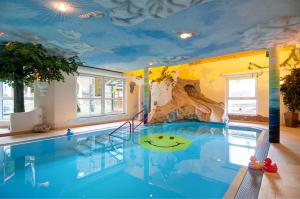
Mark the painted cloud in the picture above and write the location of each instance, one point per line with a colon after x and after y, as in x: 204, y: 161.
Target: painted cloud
x: 126, y: 35
x: 279, y: 31
x: 131, y: 12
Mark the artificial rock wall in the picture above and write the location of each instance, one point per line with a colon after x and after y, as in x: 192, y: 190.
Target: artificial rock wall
x: 186, y: 103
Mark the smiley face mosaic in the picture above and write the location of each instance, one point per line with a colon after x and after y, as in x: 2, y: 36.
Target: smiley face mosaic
x: 164, y: 142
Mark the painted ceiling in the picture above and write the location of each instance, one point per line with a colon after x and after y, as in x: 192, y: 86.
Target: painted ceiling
x: 125, y: 35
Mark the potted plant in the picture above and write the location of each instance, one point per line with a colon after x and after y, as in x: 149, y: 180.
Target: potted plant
x: 290, y: 89
x: 23, y: 63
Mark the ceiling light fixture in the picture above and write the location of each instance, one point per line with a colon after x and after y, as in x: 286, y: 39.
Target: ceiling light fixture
x: 62, y: 6
x: 151, y: 63
x: 185, y: 35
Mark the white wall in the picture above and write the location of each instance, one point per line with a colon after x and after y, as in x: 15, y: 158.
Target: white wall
x: 60, y: 102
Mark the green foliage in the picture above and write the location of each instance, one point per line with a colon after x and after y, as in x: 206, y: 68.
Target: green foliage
x: 165, y: 76
x: 23, y: 63
x: 291, y: 90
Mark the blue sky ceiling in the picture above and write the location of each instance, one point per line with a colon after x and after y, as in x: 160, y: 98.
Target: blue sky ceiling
x: 125, y: 35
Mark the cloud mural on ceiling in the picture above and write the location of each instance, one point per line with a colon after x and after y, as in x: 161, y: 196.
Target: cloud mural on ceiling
x: 70, y: 34
x: 131, y: 12
x: 126, y: 35
x: 279, y: 31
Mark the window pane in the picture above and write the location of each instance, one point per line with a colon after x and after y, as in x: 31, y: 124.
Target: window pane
x: 89, y: 94
x: 95, y: 107
x: 7, y: 102
x: 8, y: 108
x: 8, y: 91
x: 114, y: 88
x: 83, y: 107
x: 96, y: 87
x: 244, y: 107
x: 114, y: 106
x: 242, y: 88
x: 83, y: 86
x: 88, y: 107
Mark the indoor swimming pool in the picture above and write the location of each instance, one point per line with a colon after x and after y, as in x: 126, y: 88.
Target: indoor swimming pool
x: 176, y: 160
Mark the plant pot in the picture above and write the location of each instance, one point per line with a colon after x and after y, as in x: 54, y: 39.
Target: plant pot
x: 291, y: 119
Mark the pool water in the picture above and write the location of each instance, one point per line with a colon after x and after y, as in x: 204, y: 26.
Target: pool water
x: 89, y: 165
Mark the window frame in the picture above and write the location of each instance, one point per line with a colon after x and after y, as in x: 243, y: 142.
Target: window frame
x: 2, y: 99
x: 239, y: 77
x: 113, y: 98
x: 102, y: 98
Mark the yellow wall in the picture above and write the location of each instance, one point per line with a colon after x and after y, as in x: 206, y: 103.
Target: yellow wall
x: 211, y: 73
x: 213, y: 82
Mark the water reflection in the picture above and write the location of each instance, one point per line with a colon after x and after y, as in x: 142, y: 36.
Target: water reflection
x: 87, y: 166
x: 242, y: 145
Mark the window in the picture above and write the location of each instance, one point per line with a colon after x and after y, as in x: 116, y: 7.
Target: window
x: 114, y: 90
x: 97, y: 95
x: 88, y: 95
x: 241, y: 96
x: 7, y: 100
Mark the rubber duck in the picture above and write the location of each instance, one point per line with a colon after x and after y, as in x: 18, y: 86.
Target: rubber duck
x: 254, y: 164
x: 269, y: 167
x: 69, y: 132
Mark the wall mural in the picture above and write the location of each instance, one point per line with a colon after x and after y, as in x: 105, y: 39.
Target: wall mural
x: 187, y: 103
x: 125, y: 35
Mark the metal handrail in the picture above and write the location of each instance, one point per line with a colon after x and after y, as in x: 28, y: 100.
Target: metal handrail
x: 131, y: 124
x: 134, y: 127
x: 132, y: 120
x: 137, y: 114
x: 130, y: 128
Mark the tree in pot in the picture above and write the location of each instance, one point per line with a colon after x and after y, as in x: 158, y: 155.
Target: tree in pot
x: 290, y: 90
x: 23, y: 63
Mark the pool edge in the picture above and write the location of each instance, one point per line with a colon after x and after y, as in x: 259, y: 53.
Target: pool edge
x: 239, y: 180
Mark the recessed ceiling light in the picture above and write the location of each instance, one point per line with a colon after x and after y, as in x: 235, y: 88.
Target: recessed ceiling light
x: 151, y: 63
x: 62, y: 6
x: 185, y: 35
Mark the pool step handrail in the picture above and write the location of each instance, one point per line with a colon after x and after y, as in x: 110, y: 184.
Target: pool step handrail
x: 142, y: 121
x: 127, y: 122
x: 132, y: 127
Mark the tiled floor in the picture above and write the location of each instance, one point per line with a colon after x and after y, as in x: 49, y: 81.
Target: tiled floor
x: 286, y: 183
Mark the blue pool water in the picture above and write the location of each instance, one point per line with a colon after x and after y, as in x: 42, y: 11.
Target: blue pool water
x: 89, y: 165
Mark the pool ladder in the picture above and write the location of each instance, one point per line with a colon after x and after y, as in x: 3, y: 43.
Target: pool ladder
x: 131, y: 124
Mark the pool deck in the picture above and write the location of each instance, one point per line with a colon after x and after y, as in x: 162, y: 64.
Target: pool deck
x: 12, y: 139
x: 285, y: 184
